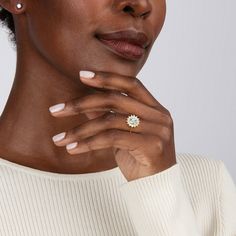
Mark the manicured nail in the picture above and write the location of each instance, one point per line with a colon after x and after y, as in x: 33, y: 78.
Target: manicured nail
x: 56, y: 108
x: 86, y: 74
x: 125, y: 94
x: 71, y: 145
x: 59, y: 137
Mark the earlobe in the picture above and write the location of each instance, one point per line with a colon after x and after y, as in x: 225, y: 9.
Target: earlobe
x: 13, y: 6
x: 19, y: 7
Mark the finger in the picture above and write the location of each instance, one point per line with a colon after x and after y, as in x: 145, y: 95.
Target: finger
x: 116, y: 102
x: 95, y: 114
x: 113, y: 138
x: 112, y: 121
x: 131, y: 86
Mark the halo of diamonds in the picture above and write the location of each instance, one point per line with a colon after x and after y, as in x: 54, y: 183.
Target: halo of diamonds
x: 133, y: 121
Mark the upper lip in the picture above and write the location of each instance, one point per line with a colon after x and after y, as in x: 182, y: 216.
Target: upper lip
x: 135, y: 37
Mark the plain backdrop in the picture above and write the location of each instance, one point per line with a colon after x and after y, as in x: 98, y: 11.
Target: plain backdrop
x: 191, y: 71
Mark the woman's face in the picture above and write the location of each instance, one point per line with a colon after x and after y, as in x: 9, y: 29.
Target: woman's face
x: 63, y: 32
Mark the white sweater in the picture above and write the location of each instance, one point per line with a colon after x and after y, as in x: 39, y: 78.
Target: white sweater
x: 195, y: 197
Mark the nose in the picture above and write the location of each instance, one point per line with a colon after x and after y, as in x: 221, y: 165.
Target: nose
x: 136, y: 8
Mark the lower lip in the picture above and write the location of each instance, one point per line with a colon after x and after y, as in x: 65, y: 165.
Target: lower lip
x: 124, y: 49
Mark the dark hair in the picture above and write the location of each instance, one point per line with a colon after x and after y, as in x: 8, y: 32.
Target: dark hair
x: 6, y: 19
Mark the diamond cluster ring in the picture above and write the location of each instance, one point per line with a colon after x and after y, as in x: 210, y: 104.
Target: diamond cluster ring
x: 132, y: 121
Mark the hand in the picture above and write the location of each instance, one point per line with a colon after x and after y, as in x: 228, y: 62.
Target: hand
x: 147, y: 150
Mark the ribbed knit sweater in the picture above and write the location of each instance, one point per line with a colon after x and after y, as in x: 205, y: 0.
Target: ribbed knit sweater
x: 195, y: 197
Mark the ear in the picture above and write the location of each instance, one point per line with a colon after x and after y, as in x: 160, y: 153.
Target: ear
x: 11, y: 6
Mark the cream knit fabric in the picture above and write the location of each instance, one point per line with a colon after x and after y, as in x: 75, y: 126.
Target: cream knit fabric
x: 195, y: 197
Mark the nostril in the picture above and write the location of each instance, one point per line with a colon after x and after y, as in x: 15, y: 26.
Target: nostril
x: 128, y: 9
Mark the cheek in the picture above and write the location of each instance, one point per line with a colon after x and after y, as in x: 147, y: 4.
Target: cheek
x: 61, y: 31
x: 158, y: 18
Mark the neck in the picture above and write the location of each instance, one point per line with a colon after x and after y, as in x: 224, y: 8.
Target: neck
x: 27, y: 127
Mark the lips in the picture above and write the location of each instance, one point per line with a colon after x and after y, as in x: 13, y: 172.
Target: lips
x: 129, y: 44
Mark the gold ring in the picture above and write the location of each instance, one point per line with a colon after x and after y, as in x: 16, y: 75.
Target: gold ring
x: 133, y: 121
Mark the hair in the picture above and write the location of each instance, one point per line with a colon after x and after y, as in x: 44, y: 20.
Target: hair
x: 6, y: 19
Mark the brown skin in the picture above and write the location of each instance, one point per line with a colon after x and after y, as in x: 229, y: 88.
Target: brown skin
x: 50, y: 53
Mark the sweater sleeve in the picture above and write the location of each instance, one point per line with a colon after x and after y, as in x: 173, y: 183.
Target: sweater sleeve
x: 158, y: 205
x: 227, y: 203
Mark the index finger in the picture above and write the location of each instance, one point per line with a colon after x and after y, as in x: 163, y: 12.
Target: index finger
x: 129, y: 85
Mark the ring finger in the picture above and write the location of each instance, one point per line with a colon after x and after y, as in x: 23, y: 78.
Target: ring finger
x: 107, y: 121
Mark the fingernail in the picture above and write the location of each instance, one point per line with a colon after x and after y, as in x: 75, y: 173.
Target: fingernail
x: 56, y: 108
x: 125, y: 94
x: 71, y: 145
x: 59, y: 137
x: 86, y: 74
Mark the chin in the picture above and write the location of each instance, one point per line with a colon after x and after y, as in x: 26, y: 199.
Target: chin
x: 99, y: 58
x: 104, y: 60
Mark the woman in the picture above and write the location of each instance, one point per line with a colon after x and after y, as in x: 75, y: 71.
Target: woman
x: 85, y: 148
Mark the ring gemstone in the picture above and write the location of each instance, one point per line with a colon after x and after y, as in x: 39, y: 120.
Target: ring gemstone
x: 133, y: 121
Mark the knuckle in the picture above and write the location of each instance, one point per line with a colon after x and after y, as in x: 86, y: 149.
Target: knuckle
x: 89, y: 143
x: 166, y: 111
x: 104, y: 82
x: 71, y: 133
x: 103, y: 75
x: 166, y: 133
x: 169, y: 120
x: 114, y: 94
x: 159, y: 145
x: 74, y: 134
x: 74, y: 105
x: 108, y: 118
x: 78, y: 131
x: 136, y: 83
x: 113, y: 98
x: 113, y: 135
